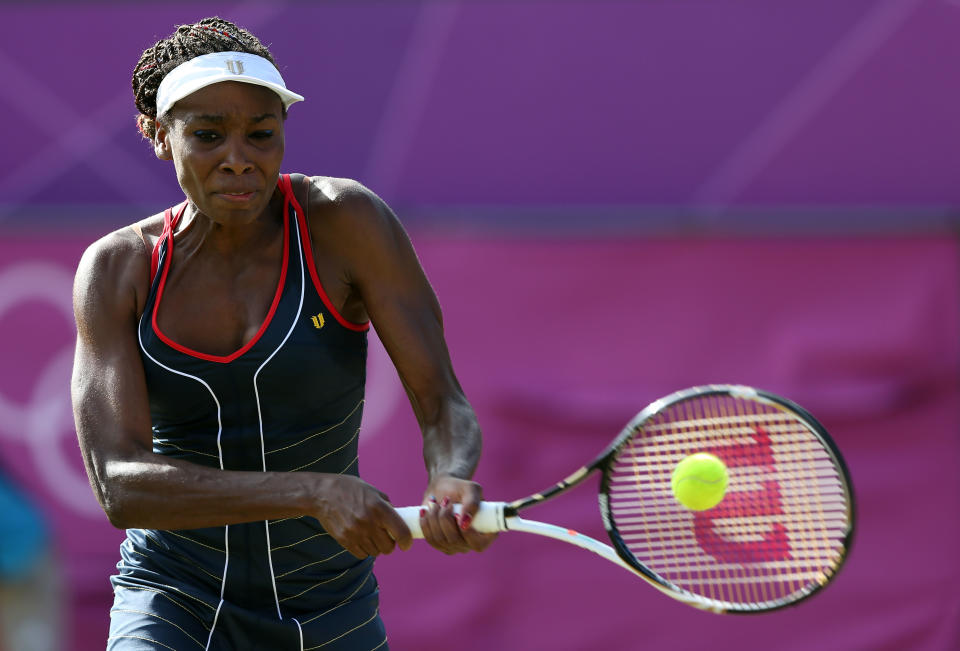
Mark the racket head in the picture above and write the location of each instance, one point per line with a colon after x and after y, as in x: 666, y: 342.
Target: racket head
x: 784, y: 527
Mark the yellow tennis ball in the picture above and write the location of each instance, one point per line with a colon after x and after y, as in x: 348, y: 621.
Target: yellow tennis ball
x: 699, y: 482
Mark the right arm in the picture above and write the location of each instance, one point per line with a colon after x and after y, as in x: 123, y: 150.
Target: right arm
x: 138, y: 488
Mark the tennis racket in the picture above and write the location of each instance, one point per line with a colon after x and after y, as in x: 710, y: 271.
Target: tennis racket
x: 780, y: 534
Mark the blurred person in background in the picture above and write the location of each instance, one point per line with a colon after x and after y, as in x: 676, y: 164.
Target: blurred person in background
x: 30, y: 580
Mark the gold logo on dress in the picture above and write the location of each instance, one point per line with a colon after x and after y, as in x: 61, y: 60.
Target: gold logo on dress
x: 317, y: 321
x: 235, y: 66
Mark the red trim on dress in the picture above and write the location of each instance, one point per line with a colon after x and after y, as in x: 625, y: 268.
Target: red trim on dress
x: 169, y: 223
x: 223, y: 359
x: 308, y: 254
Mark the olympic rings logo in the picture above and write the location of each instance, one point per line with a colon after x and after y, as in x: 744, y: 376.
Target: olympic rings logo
x: 45, y: 418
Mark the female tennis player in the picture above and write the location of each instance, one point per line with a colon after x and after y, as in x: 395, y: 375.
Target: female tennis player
x: 219, y: 375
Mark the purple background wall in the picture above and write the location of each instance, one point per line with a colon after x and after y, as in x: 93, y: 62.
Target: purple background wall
x: 613, y: 200
x: 705, y: 107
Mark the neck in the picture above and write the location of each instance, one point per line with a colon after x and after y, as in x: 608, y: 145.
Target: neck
x: 232, y: 238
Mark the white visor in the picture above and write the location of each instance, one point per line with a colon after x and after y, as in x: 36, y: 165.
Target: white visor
x: 208, y: 69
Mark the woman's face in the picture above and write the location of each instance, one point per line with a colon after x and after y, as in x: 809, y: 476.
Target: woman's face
x: 226, y: 142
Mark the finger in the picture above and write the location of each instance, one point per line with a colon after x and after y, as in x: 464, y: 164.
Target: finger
x: 478, y: 541
x: 468, y: 511
x: 434, y: 530
x: 447, y: 526
x: 450, y: 528
x: 392, y: 531
x: 470, y: 500
x: 357, y: 551
x: 382, y: 542
x: 398, y: 531
x: 428, y: 522
x: 369, y: 547
x: 464, y: 520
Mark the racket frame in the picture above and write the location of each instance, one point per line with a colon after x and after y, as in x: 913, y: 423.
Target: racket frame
x: 606, y: 458
x: 503, y: 516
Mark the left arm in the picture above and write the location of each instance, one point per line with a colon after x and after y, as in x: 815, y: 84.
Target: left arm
x: 389, y: 286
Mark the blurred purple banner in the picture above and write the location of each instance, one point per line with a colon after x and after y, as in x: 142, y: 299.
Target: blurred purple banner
x: 558, y: 345
x: 708, y: 108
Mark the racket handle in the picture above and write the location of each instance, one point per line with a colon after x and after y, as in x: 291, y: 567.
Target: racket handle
x: 489, y: 518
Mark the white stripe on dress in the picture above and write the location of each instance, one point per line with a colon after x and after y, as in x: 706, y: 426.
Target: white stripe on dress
x: 226, y: 529
x: 263, y: 451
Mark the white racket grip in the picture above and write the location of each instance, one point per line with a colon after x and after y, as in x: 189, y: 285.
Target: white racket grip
x: 489, y: 518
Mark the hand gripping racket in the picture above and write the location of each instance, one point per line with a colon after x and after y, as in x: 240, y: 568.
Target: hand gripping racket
x: 781, y: 532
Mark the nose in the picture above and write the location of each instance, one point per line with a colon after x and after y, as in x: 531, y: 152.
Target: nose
x: 236, y: 159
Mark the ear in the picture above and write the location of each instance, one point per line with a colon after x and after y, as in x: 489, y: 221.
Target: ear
x: 161, y: 143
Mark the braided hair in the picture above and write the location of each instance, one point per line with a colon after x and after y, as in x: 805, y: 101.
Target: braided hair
x: 189, y: 41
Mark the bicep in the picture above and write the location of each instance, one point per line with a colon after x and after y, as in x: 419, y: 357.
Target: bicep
x: 108, y: 389
x: 402, y: 305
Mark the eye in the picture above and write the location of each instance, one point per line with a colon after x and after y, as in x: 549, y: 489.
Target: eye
x: 262, y: 134
x: 205, y: 135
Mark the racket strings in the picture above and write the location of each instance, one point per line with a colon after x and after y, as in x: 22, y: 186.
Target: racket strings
x: 778, y: 532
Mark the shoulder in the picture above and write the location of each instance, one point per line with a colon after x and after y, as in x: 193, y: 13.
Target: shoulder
x: 117, y: 265
x: 338, y: 189
x: 349, y: 209
x: 130, y: 245
x: 344, y: 194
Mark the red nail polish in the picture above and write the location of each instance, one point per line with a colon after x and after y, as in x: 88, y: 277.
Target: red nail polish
x: 423, y: 512
x: 465, y: 521
x: 446, y: 501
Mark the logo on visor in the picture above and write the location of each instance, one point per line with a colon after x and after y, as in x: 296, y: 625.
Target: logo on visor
x: 235, y: 66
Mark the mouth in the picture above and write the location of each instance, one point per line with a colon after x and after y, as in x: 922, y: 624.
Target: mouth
x: 236, y: 197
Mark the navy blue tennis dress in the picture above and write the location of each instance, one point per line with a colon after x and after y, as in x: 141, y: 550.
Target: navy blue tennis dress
x: 290, y: 400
